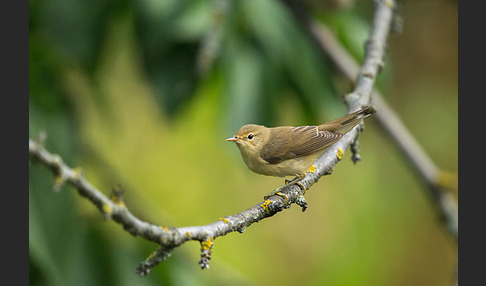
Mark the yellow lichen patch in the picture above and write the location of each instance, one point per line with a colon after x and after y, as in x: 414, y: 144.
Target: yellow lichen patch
x: 447, y: 180
x: 389, y: 3
x: 312, y: 169
x: 117, y: 200
x: 188, y: 235
x: 58, y: 180
x: 116, y: 196
x: 166, y: 229
x: 77, y: 172
x: 120, y: 203
x: 152, y: 255
x: 106, y: 208
x: 265, y: 205
x: 207, y: 244
x: 340, y: 153
x: 224, y: 219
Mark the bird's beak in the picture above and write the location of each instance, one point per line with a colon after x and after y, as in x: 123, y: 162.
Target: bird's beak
x: 234, y: 138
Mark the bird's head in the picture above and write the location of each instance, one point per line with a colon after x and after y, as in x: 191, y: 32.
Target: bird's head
x: 250, y: 138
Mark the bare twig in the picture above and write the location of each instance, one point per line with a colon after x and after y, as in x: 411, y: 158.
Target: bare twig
x: 170, y: 237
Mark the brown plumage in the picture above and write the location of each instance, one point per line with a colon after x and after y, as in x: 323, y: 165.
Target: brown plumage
x: 290, y: 151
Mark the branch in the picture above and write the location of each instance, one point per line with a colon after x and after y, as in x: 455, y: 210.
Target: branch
x: 443, y: 201
x: 171, y: 237
x: 167, y: 237
x: 361, y: 95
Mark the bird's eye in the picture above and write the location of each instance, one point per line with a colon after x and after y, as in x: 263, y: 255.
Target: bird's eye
x: 250, y: 136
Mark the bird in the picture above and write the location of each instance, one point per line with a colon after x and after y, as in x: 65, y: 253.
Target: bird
x: 290, y: 151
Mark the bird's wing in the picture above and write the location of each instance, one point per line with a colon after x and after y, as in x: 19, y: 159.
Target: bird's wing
x: 299, y: 141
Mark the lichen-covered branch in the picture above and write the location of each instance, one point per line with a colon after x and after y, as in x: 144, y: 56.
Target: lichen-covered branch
x: 171, y: 237
x: 167, y: 237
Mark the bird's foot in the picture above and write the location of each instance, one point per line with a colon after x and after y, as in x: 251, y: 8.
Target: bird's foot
x: 278, y: 193
x: 295, y: 181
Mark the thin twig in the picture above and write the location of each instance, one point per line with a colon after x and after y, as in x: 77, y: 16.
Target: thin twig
x: 170, y: 237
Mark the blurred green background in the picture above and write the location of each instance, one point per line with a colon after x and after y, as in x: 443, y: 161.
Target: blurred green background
x: 143, y: 94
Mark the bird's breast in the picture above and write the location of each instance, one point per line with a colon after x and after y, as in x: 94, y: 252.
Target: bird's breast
x: 290, y: 167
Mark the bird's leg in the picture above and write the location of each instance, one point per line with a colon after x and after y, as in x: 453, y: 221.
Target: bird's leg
x: 295, y: 181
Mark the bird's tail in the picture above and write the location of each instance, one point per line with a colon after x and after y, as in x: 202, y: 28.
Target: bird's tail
x: 346, y: 123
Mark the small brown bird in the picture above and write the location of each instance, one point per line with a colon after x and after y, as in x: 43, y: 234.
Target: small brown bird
x: 290, y: 151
